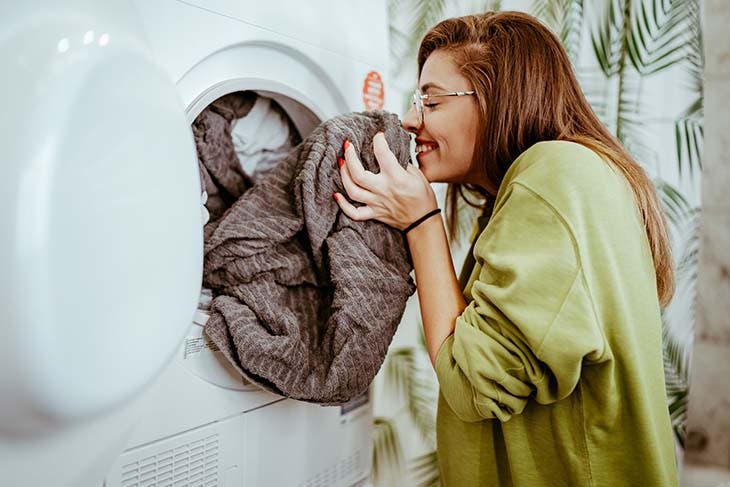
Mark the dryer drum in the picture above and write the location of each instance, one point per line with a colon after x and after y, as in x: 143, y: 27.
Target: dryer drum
x: 306, y: 301
x: 239, y: 137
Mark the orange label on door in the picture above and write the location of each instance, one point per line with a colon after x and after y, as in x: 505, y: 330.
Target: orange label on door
x: 373, y: 91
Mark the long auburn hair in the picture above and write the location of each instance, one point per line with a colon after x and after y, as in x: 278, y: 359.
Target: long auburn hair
x: 527, y: 93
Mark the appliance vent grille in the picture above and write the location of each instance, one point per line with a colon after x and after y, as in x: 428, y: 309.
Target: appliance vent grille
x: 350, y: 469
x: 192, y: 464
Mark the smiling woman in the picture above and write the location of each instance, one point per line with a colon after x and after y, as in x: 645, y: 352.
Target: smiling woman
x: 557, y: 332
x: 445, y: 145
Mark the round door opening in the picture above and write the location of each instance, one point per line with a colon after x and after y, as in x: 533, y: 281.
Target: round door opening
x: 239, y: 137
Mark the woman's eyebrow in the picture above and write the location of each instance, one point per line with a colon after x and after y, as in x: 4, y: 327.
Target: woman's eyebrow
x: 431, y: 85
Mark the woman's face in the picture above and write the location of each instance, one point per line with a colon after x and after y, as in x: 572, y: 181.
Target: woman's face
x: 446, y: 140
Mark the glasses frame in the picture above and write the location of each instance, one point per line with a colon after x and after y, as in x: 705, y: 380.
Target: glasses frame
x: 418, y: 97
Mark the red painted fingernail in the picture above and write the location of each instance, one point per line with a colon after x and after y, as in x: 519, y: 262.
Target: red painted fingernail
x: 334, y: 195
x: 341, y: 162
x: 347, y: 144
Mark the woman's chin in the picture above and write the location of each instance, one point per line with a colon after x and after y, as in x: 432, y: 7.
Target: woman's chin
x: 428, y: 174
x: 424, y: 167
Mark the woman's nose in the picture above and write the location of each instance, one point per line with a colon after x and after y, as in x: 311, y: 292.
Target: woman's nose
x: 411, y: 123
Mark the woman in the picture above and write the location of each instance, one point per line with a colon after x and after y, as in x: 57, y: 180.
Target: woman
x: 549, y: 360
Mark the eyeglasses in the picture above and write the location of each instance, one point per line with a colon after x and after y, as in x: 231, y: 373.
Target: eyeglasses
x: 418, y: 98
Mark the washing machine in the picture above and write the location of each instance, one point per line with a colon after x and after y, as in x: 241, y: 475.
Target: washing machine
x: 105, y: 376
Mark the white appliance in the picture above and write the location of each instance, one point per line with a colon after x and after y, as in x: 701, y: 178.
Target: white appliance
x: 103, y: 378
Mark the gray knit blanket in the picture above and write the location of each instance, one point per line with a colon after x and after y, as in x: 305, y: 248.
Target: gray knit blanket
x: 221, y: 174
x: 306, y: 299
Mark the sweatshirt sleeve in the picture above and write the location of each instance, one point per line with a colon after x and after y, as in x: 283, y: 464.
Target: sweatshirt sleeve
x: 530, y: 324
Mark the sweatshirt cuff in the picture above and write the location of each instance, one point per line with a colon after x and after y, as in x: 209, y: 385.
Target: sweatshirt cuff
x: 455, y: 388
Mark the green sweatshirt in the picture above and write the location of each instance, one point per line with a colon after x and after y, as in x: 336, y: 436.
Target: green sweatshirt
x: 553, y: 375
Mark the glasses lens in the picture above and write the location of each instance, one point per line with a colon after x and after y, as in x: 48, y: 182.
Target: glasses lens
x: 418, y: 102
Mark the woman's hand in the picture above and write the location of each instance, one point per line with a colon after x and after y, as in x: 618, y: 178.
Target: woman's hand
x: 395, y: 196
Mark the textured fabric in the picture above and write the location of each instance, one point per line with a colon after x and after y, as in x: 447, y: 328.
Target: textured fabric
x: 220, y: 171
x: 553, y: 375
x: 307, y: 301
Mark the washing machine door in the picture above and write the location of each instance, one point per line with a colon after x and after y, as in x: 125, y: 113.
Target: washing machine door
x: 100, y: 210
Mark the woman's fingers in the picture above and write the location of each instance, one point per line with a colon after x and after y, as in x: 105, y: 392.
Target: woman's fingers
x: 354, y: 191
x: 395, y: 195
x: 386, y: 159
x: 356, y: 213
x: 359, y: 174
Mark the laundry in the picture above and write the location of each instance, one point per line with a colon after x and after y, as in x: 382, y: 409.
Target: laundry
x: 306, y: 299
x: 262, y: 138
x: 221, y: 174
